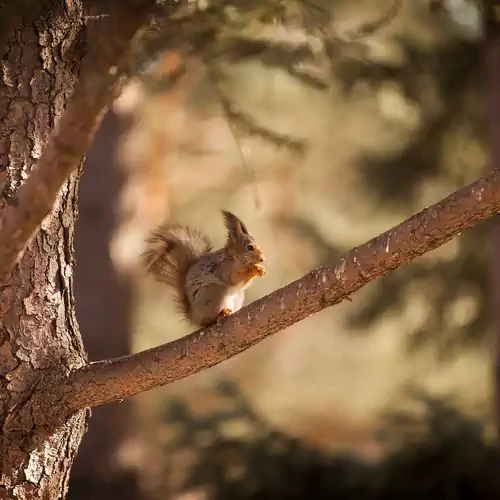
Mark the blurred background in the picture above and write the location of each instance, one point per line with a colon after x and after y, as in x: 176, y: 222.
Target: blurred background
x: 320, y: 125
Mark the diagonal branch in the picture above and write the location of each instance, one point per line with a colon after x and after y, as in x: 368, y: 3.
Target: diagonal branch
x: 110, y: 380
x: 62, y: 155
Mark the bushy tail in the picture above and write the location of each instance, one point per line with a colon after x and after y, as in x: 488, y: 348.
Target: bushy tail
x: 170, y: 252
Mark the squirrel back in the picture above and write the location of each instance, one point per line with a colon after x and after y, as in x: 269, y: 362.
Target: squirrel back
x: 171, y: 251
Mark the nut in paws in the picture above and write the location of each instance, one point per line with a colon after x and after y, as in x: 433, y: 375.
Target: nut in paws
x: 260, y: 270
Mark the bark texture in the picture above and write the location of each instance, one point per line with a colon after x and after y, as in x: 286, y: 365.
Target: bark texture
x: 97, y: 85
x: 38, y: 330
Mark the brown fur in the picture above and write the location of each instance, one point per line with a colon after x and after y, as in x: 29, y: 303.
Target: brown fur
x: 208, y: 284
x: 171, y: 250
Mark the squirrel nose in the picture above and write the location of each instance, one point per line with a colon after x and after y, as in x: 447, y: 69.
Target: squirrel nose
x: 261, y: 258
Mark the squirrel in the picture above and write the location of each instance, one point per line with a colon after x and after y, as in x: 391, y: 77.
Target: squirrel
x: 209, y: 285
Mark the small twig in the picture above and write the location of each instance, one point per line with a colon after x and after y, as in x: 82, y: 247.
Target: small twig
x: 371, y: 27
x: 247, y: 124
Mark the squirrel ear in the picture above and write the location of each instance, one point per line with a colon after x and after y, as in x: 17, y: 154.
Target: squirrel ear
x: 235, y: 228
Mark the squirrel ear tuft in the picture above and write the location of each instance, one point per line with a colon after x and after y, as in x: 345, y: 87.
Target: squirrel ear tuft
x: 234, y: 226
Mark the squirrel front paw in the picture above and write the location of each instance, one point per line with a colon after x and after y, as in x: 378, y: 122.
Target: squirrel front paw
x: 252, y: 271
x: 247, y: 273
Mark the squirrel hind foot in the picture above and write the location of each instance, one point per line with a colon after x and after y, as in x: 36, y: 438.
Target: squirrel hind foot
x: 225, y: 313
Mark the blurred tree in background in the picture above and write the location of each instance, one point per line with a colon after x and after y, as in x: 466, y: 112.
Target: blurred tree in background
x: 104, y: 296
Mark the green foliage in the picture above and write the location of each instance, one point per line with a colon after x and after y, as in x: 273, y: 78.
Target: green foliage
x: 439, y: 454
x: 396, y: 180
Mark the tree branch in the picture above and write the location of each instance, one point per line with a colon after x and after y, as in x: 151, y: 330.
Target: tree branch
x: 63, y: 153
x: 110, y: 380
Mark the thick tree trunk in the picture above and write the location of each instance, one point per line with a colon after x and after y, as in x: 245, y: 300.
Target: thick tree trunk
x: 38, y: 330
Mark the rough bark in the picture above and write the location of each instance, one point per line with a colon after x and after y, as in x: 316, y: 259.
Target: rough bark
x: 51, y: 99
x: 38, y: 330
x: 63, y: 151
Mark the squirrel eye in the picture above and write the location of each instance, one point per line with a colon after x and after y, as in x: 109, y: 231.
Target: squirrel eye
x: 250, y: 247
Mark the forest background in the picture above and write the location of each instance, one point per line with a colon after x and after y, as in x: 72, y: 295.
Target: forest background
x: 316, y: 158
